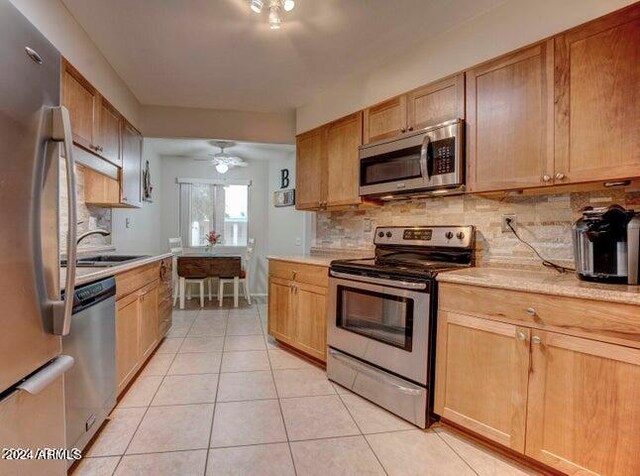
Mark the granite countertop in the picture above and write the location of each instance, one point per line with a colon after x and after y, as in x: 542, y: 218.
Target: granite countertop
x: 315, y: 259
x: 87, y: 275
x: 543, y: 282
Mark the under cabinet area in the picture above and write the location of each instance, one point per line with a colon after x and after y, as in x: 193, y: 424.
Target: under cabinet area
x: 554, y: 378
x: 298, y: 306
x: 141, y: 317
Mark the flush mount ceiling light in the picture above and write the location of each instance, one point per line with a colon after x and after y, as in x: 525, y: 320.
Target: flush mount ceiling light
x: 223, y: 161
x: 275, y: 10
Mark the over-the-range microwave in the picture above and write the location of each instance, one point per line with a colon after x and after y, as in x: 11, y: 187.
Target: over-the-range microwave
x: 423, y: 163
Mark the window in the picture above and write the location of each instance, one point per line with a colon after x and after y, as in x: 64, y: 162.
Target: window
x: 207, y: 207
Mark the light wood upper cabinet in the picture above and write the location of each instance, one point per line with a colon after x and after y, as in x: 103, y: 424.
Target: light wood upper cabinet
x: 311, y: 325
x: 436, y: 103
x: 100, y: 190
x: 343, y: 137
x: 482, y: 369
x: 584, y: 412
x: 109, y: 133
x: 131, y: 173
x: 386, y: 119
x: 510, y: 121
x: 81, y: 99
x: 310, y: 170
x: 597, y: 97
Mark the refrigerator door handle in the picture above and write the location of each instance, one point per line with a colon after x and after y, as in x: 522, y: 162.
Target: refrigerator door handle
x: 41, y: 379
x: 62, y: 309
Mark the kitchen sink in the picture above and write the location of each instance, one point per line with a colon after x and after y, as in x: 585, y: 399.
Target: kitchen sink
x: 104, y: 261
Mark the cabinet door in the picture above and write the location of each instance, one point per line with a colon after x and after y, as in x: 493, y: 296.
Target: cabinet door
x: 127, y: 336
x: 310, y: 170
x: 386, y: 119
x: 597, y: 97
x: 148, y: 320
x: 281, y: 318
x: 100, y: 190
x: 584, y: 412
x: 310, y: 311
x: 131, y: 166
x: 482, y: 369
x: 109, y: 136
x: 82, y: 101
x: 435, y: 103
x: 510, y: 121
x: 343, y: 168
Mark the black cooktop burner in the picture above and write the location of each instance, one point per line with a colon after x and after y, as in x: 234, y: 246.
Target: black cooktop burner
x: 412, y: 269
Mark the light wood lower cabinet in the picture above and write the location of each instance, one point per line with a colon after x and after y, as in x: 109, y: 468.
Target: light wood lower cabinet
x: 297, y: 309
x: 138, y: 329
x: 568, y: 401
x: 584, y: 411
x: 483, y: 368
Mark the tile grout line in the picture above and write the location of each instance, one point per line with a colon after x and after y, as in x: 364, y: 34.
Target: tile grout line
x: 151, y: 401
x: 284, y: 423
x: 456, y: 453
x: 215, y: 405
x: 360, y: 430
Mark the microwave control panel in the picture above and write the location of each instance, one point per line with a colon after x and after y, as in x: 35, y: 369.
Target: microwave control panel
x: 443, y: 153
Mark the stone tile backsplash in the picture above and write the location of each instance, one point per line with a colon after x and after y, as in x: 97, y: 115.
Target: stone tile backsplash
x: 543, y: 220
x: 86, y: 212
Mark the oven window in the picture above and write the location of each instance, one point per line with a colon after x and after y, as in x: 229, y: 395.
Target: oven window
x: 397, y: 165
x: 382, y: 317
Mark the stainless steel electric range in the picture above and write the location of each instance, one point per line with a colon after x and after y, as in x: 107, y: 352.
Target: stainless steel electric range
x: 382, y: 316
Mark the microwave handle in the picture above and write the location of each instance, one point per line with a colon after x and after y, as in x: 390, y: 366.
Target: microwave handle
x: 424, y: 158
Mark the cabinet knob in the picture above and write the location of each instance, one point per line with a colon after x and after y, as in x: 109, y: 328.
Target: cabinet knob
x: 559, y: 176
x: 295, y: 273
x: 536, y: 339
x: 410, y: 128
x: 403, y: 130
x: 531, y: 311
x: 521, y: 335
x: 546, y: 178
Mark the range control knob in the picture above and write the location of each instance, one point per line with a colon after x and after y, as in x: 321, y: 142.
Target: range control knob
x: 460, y: 235
x: 449, y: 235
x: 381, y: 234
x: 388, y: 234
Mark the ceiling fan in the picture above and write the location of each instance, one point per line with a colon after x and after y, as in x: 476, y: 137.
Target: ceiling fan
x: 223, y: 161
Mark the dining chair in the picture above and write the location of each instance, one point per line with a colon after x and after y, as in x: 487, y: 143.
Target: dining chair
x: 180, y: 284
x: 243, y: 279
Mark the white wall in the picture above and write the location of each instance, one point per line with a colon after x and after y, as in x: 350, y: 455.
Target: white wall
x: 509, y: 26
x: 286, y: 225
x: 53, y: 19
x: 244, y: 126
x: 144, y: 235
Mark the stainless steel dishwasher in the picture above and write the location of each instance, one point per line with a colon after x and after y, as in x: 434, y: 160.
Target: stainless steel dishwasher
x: 90, y: 385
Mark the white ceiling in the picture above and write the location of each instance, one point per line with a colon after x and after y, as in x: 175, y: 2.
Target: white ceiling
x: 218, y: 54
x: 191, y: 148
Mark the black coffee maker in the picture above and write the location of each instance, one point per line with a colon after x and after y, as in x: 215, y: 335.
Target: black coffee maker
x: 606, y: 244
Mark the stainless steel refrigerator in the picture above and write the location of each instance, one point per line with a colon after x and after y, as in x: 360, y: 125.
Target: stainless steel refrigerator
x: 34, y: 134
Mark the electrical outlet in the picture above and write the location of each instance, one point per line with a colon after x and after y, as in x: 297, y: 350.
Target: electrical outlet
x: 511, y: 219
x: 127, y: 222
x: 367, y: 225
x: 298, y: 242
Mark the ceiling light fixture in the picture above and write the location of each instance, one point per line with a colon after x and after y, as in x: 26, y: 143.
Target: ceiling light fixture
x: 256, y: 5
x: 276, y: 7
x: 221, y: 160
x: 222, y: 168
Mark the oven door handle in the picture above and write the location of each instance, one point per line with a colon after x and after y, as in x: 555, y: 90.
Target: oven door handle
x: 377, y: 376
x: 424, y: 158
x: 380, y: 281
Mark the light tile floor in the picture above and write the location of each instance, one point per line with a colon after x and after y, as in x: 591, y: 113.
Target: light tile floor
x: 219, y: 397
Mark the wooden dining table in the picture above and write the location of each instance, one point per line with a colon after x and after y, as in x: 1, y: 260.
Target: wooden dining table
x: 202, y: 265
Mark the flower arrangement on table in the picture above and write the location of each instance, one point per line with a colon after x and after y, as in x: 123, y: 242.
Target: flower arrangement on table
x: 212, y: 238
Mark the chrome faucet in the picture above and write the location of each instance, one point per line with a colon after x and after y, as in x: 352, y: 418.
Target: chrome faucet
x: 97, y: 231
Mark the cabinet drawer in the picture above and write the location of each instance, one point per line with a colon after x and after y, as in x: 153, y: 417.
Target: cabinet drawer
x: 131, y: 281
x: 613, y: 322
x: 299, y: 272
